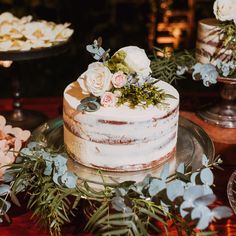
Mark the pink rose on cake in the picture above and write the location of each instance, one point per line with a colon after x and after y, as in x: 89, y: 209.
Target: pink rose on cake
x: 137, y: 60
x: 119, y: 79
x: 96, y: 80
x: 225, y: 10
x: 108, y: 99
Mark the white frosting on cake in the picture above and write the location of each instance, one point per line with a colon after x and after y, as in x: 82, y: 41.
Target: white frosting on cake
x: 120, y: 138
x: 209, y: 46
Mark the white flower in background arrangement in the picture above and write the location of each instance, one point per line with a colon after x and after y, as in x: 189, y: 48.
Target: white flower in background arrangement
x: 96, y: 80
x: 38, y: 31
x: 11, y: 140
x: 5, y: 45
x: 61, y: 32
x: 225, y: 10
x: 119, y: 79
x: 137, y: 60
x: 7, y: 17
x: 26, y: 34
x: 108, y: 99
x: 9, y: 30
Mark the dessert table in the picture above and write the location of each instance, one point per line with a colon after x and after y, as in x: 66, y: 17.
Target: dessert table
x: 225, y: 146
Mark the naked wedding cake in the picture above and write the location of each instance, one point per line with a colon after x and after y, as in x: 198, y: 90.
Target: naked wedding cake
x: 118, y: 118
x: 213, y: 36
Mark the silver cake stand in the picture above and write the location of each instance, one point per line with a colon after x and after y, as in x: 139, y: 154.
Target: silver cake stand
x: 223, y: 113
x: 192, y: 143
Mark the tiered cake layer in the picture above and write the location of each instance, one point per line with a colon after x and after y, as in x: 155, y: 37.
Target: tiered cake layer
x: 209, y: 45
x: 120, y: 138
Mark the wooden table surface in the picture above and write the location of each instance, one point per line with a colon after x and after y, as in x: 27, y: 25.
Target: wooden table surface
x: 225, y: 145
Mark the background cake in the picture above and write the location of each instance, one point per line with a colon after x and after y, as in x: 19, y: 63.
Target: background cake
x: 216, y: 36
x: 209, y: 45
x: 116, y: 116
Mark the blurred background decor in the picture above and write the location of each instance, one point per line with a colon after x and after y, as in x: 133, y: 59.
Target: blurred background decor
x: 145, y: 23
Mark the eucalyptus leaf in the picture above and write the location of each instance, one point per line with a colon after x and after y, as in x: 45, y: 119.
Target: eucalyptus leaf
x: 204, y: 215
x: 118, y: 204
x: 185, y: 208
x: 205, y: 160
x: 91, y: 106
x: 193, y: 193
x: 165, y: 171
x: 193, y: 177
x: 156, y: 186
x: 96, y: 52
x: 4, y: 189
x: 69, y: 179
x: 206, y: 176
x: 81, y: 107
x: 26, y: 151
x: 147, y: 180
x: 121, y: 191
x: 60, y: 164
x: 180, y: 168
x: 205, y: 200
x: 221, y: 212
x: 175, y: 189
x: 8, y: 176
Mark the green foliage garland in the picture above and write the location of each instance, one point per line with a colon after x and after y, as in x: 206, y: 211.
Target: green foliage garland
x: 129, y: 208
x: 164, y: 67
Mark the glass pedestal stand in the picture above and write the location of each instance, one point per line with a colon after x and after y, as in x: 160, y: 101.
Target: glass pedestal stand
x: 19, y: 117
x: 223, y: 113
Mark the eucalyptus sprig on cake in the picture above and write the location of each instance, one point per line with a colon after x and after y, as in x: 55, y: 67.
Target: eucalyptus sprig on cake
x: 111, y: 80
x: 182, y: 199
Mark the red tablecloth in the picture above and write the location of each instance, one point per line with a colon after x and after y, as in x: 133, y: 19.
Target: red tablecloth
x: 225, y: 146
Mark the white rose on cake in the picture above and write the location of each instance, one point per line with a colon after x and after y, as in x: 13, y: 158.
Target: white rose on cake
x: 225, y: 10
x: 96, y: 80
x: 137, y: 60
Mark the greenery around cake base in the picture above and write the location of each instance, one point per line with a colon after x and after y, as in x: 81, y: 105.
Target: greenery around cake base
x: 53, y: 194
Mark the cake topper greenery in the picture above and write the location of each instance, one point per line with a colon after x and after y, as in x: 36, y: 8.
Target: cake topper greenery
x: 123, y: 78
x: 181, y: 200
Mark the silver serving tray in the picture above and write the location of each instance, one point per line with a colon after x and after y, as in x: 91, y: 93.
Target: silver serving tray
x: 192, y: 143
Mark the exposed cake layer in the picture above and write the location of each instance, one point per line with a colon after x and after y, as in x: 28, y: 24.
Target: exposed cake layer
x: 209, y: 46
x: 120, y: 138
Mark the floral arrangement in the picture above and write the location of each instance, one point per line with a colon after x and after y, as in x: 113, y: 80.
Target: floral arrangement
x: 125, y: 77
x: 182, y: 199
x: 11, y: 140
x: 24, y: 34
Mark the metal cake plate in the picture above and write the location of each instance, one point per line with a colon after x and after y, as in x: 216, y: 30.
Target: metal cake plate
x: 37, y: 53
x: 192, y: 143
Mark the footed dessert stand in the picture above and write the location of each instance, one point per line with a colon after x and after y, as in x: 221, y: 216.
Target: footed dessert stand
x: 223, y: 113
x: 17, y: 116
